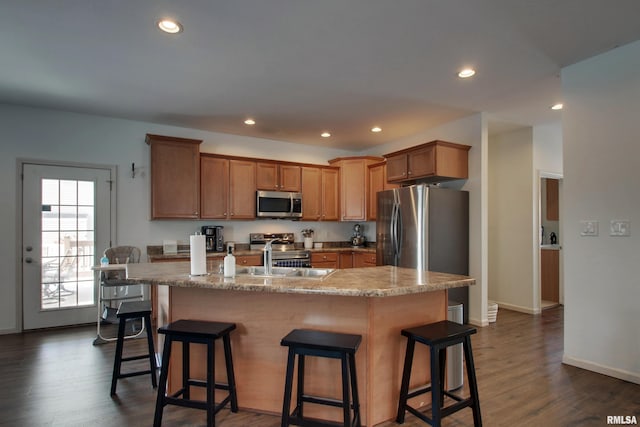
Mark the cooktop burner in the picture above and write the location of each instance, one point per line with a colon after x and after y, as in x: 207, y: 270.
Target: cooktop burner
x: 280, y: 241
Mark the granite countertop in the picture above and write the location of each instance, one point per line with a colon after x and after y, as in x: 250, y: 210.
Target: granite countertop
x: 383, y: 281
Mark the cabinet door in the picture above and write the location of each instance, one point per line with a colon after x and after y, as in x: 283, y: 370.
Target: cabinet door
x: 267, y: 176
x: 353, y: 189
x: 214, y: 188
x: 550, y: 275
x: 311, y: 193
x: 330, y: 194
x: 175, y: 177
x: 553, y: 211
x: 346, y: 260
x: 289, y: 178
x: 376, y: 183
x: 242, y: 189
x: 421, y: 163
x: 397, y: 167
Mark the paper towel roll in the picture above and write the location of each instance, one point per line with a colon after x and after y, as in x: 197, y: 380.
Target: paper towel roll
x: 198, y: 255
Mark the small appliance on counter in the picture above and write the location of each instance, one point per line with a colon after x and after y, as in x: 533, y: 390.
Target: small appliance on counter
x: 358, y: 239
x: 214, y: 240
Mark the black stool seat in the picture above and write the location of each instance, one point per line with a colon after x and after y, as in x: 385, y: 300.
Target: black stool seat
x: 133, y: 310
x: 197, y: 332
x: 305, y: 342
x: 438, y: 336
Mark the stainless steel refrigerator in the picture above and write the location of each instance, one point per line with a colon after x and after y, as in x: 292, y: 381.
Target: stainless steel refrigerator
x: 426, y: 228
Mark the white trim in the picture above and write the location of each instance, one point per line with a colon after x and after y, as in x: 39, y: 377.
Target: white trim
x: 480, y: 323
x: 20, y: 162
x: 519, y: 308
x: 632, y: 377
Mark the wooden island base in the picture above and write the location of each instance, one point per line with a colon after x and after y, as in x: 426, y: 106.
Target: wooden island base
x: 263, y: 318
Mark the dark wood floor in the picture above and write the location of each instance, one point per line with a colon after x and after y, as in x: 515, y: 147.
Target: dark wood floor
x: 57, y: 378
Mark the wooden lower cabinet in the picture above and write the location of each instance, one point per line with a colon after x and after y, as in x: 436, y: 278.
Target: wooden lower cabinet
x: 550, y: 275
x: 325, y: 260
x: 249, y: 260
x: 361, y: 259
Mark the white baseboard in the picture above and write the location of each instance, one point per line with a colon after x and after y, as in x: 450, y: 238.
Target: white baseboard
x: 479, y: 322
x: 518, y: 308
x: 633, y: 377
x: 9, y: 331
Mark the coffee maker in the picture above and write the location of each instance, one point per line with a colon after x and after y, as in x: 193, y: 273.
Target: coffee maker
x: 214, y: 241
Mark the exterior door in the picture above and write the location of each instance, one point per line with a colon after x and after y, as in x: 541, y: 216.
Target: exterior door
x: 66, y: 225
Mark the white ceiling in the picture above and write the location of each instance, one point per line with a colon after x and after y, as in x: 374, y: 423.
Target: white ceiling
x: 300, y: 67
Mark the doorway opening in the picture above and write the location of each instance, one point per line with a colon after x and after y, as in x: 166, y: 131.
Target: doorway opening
x: 550, y: 241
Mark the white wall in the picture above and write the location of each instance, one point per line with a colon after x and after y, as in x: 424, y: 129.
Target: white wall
x: 601, y: 162
x: 511, y: 254
x: 58, y: 136
x: 471, y: 131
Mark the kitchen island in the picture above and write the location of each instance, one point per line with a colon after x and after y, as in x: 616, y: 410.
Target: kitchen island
x: 375, y: 302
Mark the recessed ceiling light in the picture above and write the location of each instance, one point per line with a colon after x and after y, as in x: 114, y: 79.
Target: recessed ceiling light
x: 250, y: 122
x: 376, y: 129
x: 466, y: 73
x: 325, y: 134
x: 557, y: 106
x: 170, y: 26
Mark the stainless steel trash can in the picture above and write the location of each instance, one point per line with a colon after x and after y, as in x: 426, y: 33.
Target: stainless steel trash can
x: 455, y: 377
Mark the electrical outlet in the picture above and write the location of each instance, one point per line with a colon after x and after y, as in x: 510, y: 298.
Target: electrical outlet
x: 589, y: 228
x: 620, y: 228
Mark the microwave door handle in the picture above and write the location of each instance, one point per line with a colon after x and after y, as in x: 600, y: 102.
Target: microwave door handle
x: 291, y: 204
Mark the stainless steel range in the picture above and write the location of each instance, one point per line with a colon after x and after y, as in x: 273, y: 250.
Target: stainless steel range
x: 284, y: 252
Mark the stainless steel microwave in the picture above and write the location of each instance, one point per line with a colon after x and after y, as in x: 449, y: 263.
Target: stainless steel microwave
x: 278, y: 204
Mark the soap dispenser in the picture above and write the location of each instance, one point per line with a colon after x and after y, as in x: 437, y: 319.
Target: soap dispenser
x: 229, y: 263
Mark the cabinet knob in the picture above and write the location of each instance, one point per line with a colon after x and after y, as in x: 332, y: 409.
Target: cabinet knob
x: 409, y: 173
x: 231, y: 213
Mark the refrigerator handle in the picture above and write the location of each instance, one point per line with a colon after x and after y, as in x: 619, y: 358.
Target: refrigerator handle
x: 394, y: 232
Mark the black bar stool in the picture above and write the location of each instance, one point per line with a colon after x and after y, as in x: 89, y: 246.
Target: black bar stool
x: 438, y: 336
x: 303, y: 342
x: 130, y: 310
x: 198, y: 332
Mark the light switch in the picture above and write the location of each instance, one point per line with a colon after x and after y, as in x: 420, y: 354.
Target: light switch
x: 589, y: 228
x: 620, y: 228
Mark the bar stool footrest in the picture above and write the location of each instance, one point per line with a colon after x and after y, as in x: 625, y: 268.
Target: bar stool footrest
x: 134, y: 374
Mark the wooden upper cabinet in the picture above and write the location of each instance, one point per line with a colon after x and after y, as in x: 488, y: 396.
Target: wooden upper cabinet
x: 320, y: 194
x: 433, y: 162
x: 311, y: 193
x: 377, y: 182
x: 214, y: 187
x: 242, y: 189
x: 228, y: 188
x: 353, y: 186
x: 273, y: 176
x: 553, y: 205
x: 330, y: 194
x: 175, y: 177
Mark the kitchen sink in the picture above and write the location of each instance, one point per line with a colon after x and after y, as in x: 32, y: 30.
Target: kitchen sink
x: 311, y: 273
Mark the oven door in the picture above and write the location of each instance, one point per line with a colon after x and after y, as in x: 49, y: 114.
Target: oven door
x: 278, y: 204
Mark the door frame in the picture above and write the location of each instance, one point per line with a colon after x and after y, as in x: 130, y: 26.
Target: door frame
x: 20, y: 162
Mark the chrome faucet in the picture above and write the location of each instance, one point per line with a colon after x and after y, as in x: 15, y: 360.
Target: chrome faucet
x: 268, y: 258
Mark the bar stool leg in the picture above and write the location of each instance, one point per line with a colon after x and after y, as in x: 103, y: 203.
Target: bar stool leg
x: 406, y: 374
x: 162, y: 387
x: 117, y: 364
x: 286, y: 406
x: 152, y: 351
x: 346, y: 409
x: 436, y: 387
x: 471, y: 377
x: 211, y: 385
x: 442, y: 363
x: 186, y: 388
x: 300, y: 388
x: 354, y: 390
x: 231, y: 379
